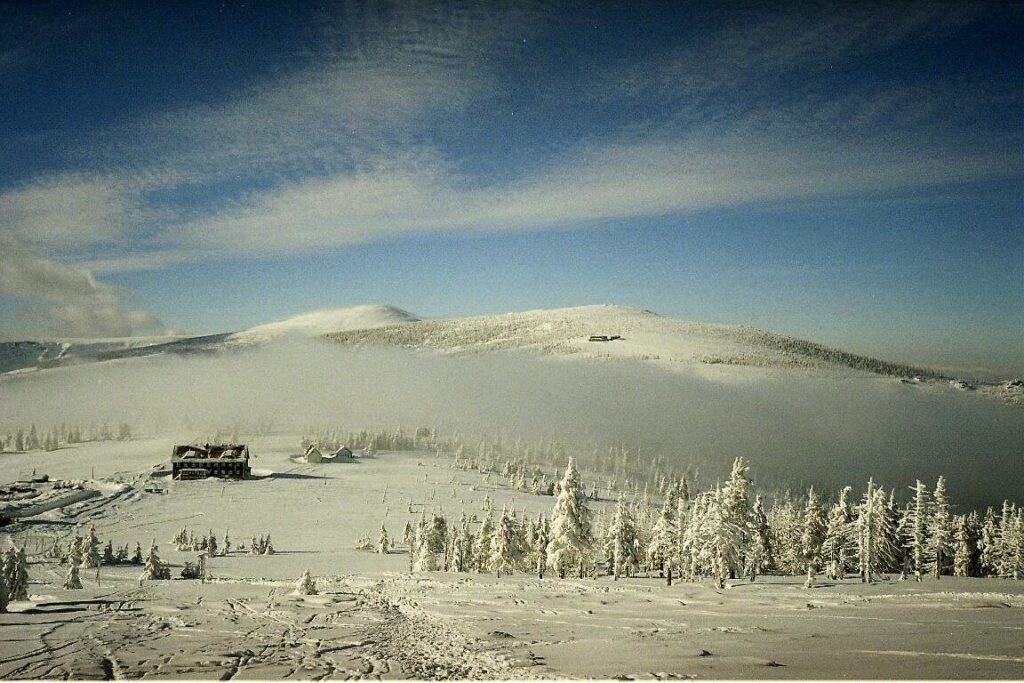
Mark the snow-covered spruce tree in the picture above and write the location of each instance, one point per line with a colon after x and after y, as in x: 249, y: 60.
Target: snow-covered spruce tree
x: 813, y: 536
x: 690, y: 549
x: 92, y: 556
x: 137, y: 555
x: 736, y: 502
x: 4, y: 593
x: 720, y: 538
x: 226, y: 545
x: 895, y: 533
x: 383, y: 541
x: 108, y: 554
x: 571, y: 539
x: 874, y: 537
x: 211, y: 543
x: 457, y: 547
x: 432, y: 546
x: 662, y: 546
x: 838, y: 547
x: 17, y: 589
x: 306, y: 585
x: 408, y: 535
x: 919, y: 529
x: 72, y: 581
x: 154, y: 569
x: 15, y: 570
x: 940, y: 531
x: 988, y: 545
x: 8, y: 567
x: 963, y: 546
x: 759, y: 551
x: 785, y: 525
x: 621, y: 541
x: 1013, y: 563
x: 540, y: 549
x: 505, y: 553
x: 1005, y: 540
x: 482, y: 547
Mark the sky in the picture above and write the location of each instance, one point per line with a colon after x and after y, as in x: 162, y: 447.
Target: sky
x: 850, y: 173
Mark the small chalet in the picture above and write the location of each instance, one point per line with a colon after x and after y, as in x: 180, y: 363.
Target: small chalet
x: 200, y: 462
x: 313, y: 454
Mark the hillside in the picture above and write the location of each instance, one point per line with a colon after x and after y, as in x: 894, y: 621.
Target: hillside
x: 711, y: 349
x: 643, y: 336
x: 325, y: 321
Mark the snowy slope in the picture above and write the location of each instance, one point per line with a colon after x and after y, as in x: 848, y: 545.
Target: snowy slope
x: 644, y: 336
x: 325, y: 321
x: 17, y: 355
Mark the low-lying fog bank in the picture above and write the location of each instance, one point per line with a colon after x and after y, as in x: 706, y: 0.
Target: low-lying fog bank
x: 795, y: 429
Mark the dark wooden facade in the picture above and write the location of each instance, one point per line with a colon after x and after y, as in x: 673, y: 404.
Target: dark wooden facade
x: 199, y: 462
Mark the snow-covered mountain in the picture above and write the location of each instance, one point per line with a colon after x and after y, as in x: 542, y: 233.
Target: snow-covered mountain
x: 602, y: 332
x: 324, y: 321
x: 618, y: 332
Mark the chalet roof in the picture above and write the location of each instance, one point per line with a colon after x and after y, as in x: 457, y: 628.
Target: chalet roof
x: 230, y: 451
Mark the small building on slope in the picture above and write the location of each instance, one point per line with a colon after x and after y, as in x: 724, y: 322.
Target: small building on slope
x: 200, y: 462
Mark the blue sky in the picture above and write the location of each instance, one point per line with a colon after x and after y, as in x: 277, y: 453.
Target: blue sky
x: 851, y: 174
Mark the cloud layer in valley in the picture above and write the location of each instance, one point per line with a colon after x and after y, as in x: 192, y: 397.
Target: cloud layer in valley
x: 789, y: 427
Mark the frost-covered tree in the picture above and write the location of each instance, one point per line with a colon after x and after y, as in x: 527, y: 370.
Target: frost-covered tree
x: 963, y: 546
x: 306, y: 585
x: 1005, y: 540
x: 785, y: 522
x: 720, y: 538
x: 432, y: 546
x: 988, y: 545
x: 621, y: 541
x: 1013, y: 545
x: 9, y: 568
x: 383, y: 541
x: 505, y: 551
x: 759, y: 551
x: 662, y: 545
x: 73, y: 581
x: 154, y: 569
x: 839, y: 545
x: 813, y: 536
x: 211, y: 543
x: 15, y: 573
x: 4, y: 593
x: 542, y: 537
x: 873, y: 538
x: 137, y: 558
x: 940, y: 530
x: 91, y: 557
x: 482, y: 548
x: 461, y: 548
x: 919, y: 529
x: 736, y: 508
x: 571, y: 538
x: 226, y: 545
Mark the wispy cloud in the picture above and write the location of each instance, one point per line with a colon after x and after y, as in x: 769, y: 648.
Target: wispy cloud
x: 70, y: 211
x: 337, y: 148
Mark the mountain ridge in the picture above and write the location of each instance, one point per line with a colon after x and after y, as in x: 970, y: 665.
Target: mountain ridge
x: 639, y: 334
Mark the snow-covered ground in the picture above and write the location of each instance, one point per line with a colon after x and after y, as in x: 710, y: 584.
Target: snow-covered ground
x: 373, y: 619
